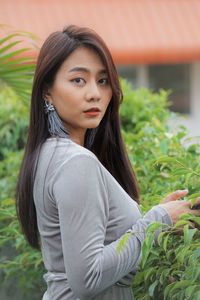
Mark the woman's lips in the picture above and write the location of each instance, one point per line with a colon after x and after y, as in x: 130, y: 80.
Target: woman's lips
x: 92, y: 112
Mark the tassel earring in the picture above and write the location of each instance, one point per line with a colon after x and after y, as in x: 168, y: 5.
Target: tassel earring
x: 55, y: 124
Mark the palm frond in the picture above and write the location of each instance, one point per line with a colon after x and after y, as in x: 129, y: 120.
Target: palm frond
x: 16, y: 68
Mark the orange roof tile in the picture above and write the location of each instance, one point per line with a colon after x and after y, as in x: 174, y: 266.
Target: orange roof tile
x: 136, y: 31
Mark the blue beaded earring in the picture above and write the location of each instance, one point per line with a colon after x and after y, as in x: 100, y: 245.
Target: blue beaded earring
x: 55, y: 124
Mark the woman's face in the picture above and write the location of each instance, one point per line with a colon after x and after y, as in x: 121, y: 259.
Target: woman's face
x: 81, y: 92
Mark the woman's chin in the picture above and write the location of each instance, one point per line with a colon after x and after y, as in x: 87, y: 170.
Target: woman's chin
x: 93, y: 125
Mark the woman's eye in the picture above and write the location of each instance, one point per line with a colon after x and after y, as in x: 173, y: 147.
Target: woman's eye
x: 103, y: 81
x: 78, y: 81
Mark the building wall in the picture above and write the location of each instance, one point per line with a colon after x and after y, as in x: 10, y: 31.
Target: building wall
x: 188, y: 89
x: 192, y: 121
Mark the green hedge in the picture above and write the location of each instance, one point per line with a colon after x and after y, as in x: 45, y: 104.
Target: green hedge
x: 170, y: 268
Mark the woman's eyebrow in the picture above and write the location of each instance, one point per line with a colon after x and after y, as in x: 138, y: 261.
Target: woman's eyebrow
x: 85, y: 70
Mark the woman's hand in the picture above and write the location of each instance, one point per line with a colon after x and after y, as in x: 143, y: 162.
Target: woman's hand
x: 175, y: 207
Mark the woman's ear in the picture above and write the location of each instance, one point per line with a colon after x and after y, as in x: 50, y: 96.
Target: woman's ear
x: 46, y: 95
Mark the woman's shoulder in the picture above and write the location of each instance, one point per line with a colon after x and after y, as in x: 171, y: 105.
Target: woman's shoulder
x: 63, y: 156
x: 64, y: 150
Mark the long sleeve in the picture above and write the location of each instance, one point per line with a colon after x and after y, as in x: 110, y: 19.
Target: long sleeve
x: 82, y: 199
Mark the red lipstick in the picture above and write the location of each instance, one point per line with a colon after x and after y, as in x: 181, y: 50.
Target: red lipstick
x: 92, y: 112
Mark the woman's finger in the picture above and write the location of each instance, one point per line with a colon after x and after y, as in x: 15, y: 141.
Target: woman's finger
x: 195, y: 212
x: 175, y: 195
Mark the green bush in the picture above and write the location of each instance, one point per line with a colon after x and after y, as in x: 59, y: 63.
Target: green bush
x: 170, y: 268
x: 17, y: 260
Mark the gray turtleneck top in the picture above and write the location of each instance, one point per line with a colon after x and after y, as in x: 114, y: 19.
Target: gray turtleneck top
x: 82, y: 212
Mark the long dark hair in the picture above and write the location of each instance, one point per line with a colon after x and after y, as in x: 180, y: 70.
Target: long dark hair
x: 105, y: 141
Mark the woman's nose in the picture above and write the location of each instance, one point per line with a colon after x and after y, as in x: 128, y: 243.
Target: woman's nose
x: 93, y: 92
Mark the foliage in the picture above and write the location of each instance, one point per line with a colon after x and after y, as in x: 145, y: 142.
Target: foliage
x: 170, y: 268
x: 16, y: 75
x: 16, y: 69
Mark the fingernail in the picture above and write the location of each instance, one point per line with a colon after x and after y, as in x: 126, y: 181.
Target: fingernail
x: 185, y: 191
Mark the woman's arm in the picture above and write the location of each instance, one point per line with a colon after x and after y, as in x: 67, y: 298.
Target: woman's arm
x: 83, y: 207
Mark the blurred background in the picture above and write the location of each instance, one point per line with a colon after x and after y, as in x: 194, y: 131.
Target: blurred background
x: 155, y: 43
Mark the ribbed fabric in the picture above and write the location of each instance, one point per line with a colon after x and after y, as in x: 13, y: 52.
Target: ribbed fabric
x: 82, y: 213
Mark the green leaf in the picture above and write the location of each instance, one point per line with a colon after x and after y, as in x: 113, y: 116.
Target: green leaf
x: 8, y: 37
x: 152, y: 288
x: 165, y: 242
x: 148, y: 273
x: 164, y: 146
x: 180, y: 223
x: 153, y: 227
x: 188, y: 234
x: 196, y: 296
x: 170, y: 289
x: 122, y: 242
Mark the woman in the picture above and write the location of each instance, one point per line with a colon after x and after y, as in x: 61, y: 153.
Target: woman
x: 76, y: 186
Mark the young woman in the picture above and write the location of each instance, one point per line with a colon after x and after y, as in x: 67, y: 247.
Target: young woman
x: 76, y: 187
